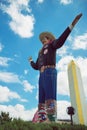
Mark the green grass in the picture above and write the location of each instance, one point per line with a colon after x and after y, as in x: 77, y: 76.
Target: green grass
x: 18, y: 124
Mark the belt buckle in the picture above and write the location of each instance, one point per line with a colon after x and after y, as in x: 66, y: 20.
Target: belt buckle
x: 48, y: 66
x: 42, y: 68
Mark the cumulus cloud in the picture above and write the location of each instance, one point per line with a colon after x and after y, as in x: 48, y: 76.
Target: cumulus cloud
x: 6, y: 94
x: 1, y: 47
x: 63, y: 62
x: 26, y: 71
x: 4, y: 61
x: 61, y: 109
x: 27, y: 86
x: 18, y: 111
x: 82, y: 63
x: 9, y: 77
x: 22, y: 21
x: 62, y: 78
x: 65, y: 2
x: 62, y: 83
x: 80, y: 42
x: 62, y: 51
x: 40, y: 1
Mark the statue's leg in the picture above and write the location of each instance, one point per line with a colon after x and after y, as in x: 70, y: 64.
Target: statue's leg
x: 42, y: 114
x: 51, y: 108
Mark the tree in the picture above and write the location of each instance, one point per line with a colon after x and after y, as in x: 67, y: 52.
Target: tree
x: 4, y: 117
x: 71, y: 112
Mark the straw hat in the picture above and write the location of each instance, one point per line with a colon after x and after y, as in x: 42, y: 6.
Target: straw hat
x: 46, y: 34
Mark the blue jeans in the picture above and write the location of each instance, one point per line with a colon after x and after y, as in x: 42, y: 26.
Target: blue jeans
x: 47, y: 85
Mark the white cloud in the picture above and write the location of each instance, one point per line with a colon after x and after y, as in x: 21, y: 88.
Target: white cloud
x: 40, y: 1
x: 62, y: 83
x: 82, y: 63
x: 61, y: 109
x: 6, y: 94
x: 62, y: 51
x: 26, y: 71
x: 9, y: 77
x: 27, y: 86
x: 4, y: 61
x: 80, y: 42
x: 1, y: 47
x: 22, y: 22
x: 18, y: 111
x: 63, y: 62
x: 65, y: 2
x: 62, y: 78
x: 37, y: 98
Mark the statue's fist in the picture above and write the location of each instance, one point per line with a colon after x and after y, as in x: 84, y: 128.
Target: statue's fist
x: 76, y: 19
x: 30, y: 59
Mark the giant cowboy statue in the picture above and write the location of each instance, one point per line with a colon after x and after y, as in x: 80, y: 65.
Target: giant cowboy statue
x: 46, y: 64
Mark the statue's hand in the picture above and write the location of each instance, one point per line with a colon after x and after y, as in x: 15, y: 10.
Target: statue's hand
x: 30, y: 59
x: 76, y: 19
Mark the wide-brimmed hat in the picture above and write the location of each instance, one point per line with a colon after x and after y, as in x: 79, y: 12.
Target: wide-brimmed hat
x: 46, y: 34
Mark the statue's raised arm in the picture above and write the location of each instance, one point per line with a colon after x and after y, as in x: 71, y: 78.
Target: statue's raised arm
x: 76, y: 19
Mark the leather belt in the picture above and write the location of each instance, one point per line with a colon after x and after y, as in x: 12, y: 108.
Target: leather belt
x: 45, y: 67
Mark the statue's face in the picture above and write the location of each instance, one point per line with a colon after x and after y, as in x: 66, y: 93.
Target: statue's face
x: 45, y: 40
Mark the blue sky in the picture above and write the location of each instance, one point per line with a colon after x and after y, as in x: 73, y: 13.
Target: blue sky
x: 21, y: 22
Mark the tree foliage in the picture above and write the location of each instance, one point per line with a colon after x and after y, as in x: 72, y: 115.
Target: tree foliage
x: 4, y: 118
